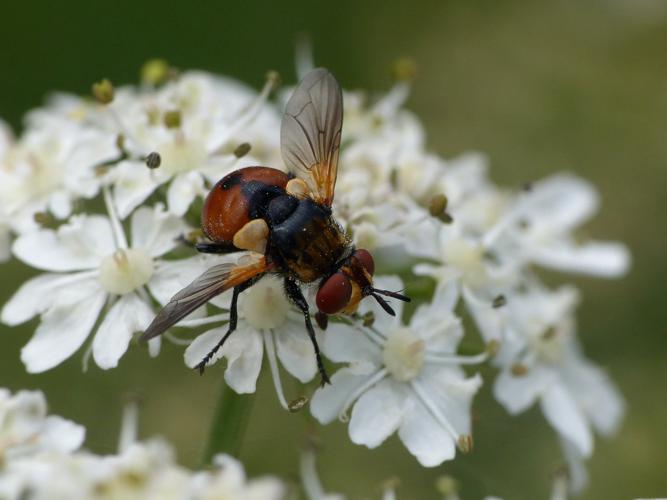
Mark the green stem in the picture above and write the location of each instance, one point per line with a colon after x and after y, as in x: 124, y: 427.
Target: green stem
x: 229, y: 424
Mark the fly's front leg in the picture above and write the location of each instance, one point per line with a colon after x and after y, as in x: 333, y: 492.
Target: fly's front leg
x: 294, y: 293
x: 233, y: 318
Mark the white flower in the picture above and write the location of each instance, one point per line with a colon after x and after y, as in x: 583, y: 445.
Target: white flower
x: 48, y: 169
x: 25, y: 428
x: 194, y: 123
x: 266, y: 320
x: 90, y: 264
x: 228, y: 480
x: 542, y: 223
x: 402, y: 378
x: 542, y: 362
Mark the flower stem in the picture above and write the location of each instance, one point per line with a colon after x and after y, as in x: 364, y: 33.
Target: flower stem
x: 229, y: 424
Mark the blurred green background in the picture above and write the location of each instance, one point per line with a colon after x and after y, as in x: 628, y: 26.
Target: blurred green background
x: 539, y: 86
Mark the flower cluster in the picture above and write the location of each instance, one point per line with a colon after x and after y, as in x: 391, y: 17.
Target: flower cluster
x: 41, y: 457
x: 103, y: 194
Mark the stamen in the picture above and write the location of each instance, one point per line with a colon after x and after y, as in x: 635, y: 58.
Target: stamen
x: 448, y: 358
x: 303, y: 56
x: 176, y: 340
x: 116, y: 226
x: 204, y: 321
x: 273, y: 365
x: 433, y: 410
x: 129, y: 425
x: 248, y: 115
x: 374, y: 379
x: 392, y: 100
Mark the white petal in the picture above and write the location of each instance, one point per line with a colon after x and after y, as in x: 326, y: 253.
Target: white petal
x: 576, y: 468
x: 424, y: 437
x: 377, y: 413
x: 133, y: 183
x: 602, y: 259
x: 295, y: 351
x: 80, y: 244
x: 518, y: 393
x: 560, y: 202
x: 451, y: 393
x: 128, y: 315
x: 562, y: 412
x: 183, y: 190
x: 490, y: 321
x: 346, y: 344
x: 60, y: 204
x: 38, y: 294
x: 171, y: 276
x: 244, y: 351
x: 62, y: 331
x: 61, y: 435
x: 596, y: 395
x: 202, y: 345
x: 156, y: 230
x: 328, y: 401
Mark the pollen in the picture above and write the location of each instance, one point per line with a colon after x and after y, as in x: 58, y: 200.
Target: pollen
x: 403, y: 354
x: 265, y: 306
x: 125, y: 270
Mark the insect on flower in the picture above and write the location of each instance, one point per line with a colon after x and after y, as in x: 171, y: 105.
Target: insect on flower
x: 285, y: 221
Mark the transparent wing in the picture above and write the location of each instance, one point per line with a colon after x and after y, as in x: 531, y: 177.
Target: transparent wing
x: 212, y: 282
x: 310, y: 133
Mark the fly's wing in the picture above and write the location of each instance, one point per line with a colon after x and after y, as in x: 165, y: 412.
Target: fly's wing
x: 310, y: 133
x: 212, y: 282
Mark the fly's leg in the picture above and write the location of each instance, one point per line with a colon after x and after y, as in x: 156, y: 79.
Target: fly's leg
x: 294, y: 293
x: 233, y: 318
x: 215, y: 247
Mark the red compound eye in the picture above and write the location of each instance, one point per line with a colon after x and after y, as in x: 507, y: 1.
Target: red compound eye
x: 334, y: 294
x: 366, y: 259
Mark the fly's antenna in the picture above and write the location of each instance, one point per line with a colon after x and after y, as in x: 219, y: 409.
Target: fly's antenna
x: 377, y: 295
x: 395, y: 295
x: 384, y: 304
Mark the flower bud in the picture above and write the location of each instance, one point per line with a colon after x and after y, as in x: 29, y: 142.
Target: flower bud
x: 242, y: 149
x: 103, y: 91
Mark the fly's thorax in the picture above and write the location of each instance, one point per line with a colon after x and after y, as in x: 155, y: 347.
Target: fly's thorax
x: 309, y: 242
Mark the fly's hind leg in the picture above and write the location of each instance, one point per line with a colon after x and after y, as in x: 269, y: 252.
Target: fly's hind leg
x: 233, y: 318
x: 294, y: 293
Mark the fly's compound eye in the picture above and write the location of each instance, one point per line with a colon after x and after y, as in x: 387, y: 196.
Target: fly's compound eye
x: 334, y: 294
x: 366, y: 259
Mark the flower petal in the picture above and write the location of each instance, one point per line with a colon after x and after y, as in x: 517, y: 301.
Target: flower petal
x: 243, y: 349
x: 128, y: 315
x: 451, y: 393
x: 133, y: 183
x: 62, y: 331
x: 61, y: 435
x: 595, y: 393
x: 518, y: 392
x: 346, y: 344
x: 328, y: 402
x: 601, y: 259
x: 563, y: 413
x: 183, y: 190
x: 427, y: 440
x: 295, y: 351
x: 77, y: 245
x: 377, y: 413
x: 38, y: 294
x: 156, y: 230
x: 560, y: 202
x: 171, y: 276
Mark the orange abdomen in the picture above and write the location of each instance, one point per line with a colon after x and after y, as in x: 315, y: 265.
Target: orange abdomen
x: 230, y: 204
